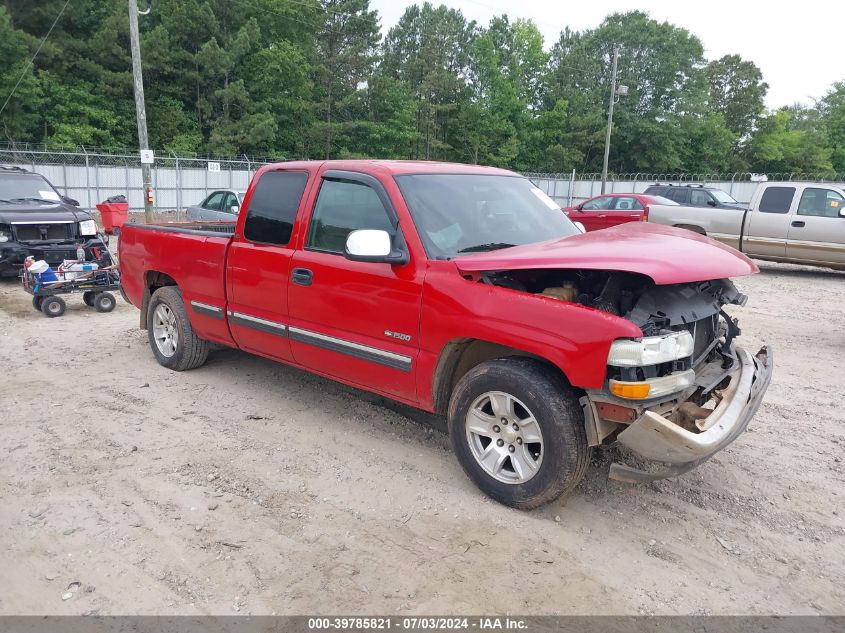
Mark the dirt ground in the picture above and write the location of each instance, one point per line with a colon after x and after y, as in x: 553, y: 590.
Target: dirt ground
x: 247, y: 486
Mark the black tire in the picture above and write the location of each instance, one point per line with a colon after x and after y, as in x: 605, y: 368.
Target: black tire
x: 554, y: 405
x: 88, y: 298
x: 191, y: 351
x: 53, y: 306
x: 37, y: 301
x: 104, y: 302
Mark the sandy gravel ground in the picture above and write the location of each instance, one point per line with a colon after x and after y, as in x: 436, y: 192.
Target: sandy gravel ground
x: 250, y: 487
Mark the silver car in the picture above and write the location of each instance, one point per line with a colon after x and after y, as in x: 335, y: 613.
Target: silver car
x: 219, y: 206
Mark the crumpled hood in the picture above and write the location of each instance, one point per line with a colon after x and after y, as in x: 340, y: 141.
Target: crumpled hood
x: 40, y: 212
x: 666, y: 254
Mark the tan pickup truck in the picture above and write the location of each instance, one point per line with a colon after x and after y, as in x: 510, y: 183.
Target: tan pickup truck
x: 798, y: 222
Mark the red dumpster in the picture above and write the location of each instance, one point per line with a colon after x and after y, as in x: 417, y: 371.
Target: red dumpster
x: 114, y: 215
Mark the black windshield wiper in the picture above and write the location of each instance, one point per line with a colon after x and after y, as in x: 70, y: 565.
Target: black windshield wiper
x: 34, y: 200
x: 493, y: 246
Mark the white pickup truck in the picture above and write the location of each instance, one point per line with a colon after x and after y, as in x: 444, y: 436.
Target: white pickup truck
x: 798, y: 222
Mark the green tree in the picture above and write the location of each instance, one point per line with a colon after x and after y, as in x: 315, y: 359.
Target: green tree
x: 737, y: 92
x: 429, y: 50
x: 20, y: 118
x: 346, y: 55
x: 662, y: 65
x: 831, y: 110
x: 790, y: 141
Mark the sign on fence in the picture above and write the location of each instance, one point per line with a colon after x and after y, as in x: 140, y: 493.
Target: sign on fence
x: 212, y: 166
x: 147, y: 157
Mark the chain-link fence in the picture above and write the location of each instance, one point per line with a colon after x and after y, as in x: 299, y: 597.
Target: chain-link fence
x: 91, y: 176
x: 573, y: 187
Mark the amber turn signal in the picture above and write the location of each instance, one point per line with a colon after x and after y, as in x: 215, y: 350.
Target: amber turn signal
x: 631, y: 390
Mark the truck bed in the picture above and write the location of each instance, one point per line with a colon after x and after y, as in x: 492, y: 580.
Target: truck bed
x: 193, y: 253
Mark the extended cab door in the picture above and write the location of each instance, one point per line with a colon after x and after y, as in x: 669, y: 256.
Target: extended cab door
x: 768, y: 222
x: 356, y: 321
x: 817, y: 230
x: 259, y: 262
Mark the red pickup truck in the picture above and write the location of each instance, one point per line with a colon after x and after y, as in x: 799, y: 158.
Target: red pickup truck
x: 464, y: 291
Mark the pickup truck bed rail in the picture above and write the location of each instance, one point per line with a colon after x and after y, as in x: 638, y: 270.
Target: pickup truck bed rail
x: 211, y: 229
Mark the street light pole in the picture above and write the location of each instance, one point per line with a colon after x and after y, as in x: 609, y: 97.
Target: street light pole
x: 609, y: 119
x: 140, y: 110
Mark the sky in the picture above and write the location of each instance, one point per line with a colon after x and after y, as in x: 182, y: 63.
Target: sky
x: 800, y: 48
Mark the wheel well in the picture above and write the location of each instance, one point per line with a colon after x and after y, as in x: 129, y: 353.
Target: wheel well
x: 691, y: 227
x: 153, y: 280
x: 461, y: 355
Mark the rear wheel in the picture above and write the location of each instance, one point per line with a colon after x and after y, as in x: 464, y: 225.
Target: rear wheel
x: 53, y: 306
x: 88, y: 298
x: 518, y: 431
x: 173, y: 340
x: 104, y: 302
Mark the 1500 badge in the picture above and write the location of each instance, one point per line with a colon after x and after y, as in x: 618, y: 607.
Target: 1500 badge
x: 398, y: 335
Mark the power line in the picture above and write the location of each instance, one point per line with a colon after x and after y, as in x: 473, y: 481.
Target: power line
x: 37, y: 50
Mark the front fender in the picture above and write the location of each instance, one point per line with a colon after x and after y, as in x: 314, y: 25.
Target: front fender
x: 574, y: 338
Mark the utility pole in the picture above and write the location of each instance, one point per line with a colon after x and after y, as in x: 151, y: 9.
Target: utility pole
x: 140, y: 109
x: 609, y: 119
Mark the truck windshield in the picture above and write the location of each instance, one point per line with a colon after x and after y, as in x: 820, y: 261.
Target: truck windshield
x: 19, y: 187
x: 722, y: 197
x: 466, y: 213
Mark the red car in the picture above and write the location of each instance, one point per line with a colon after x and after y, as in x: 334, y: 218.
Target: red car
x: 464, y: 291
x: 611, y: 209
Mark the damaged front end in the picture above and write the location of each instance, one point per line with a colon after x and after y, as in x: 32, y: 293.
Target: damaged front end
x: 685, y: 390
x: 680, y: 393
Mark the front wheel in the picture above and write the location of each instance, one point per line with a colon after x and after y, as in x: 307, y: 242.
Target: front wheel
x: 518, y: 432
x: 173, y: 340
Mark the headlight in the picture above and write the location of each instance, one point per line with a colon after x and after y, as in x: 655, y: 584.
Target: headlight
x: 88, y: 227
x: 651, y: 350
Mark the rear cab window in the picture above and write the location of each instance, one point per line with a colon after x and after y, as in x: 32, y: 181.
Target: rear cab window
x: 273, y: 206
x: 777, y: 199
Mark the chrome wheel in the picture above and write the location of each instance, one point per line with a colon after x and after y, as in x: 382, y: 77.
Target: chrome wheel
x: 504, y: 437
x: 165, y: 331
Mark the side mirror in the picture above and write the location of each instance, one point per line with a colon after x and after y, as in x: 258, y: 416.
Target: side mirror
x: 70, y: 201
x: 712, y: 203
x: 235, y: 209
x: 369, y: 245
x: 580, y: 227
x: 842, y: 212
